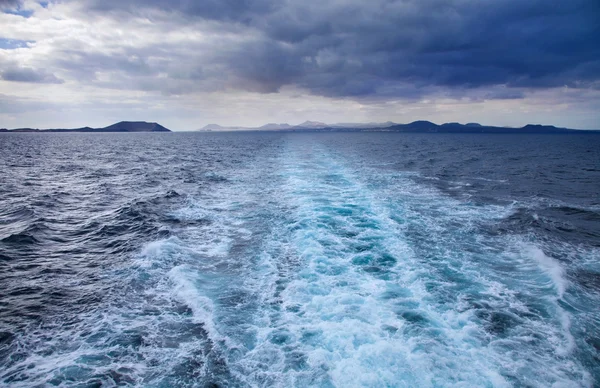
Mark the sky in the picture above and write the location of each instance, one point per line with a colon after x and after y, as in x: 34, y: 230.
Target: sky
x: 186, y: 63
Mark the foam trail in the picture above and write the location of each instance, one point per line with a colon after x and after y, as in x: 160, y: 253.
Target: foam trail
x: 336, y: 313
x: 399, y: 293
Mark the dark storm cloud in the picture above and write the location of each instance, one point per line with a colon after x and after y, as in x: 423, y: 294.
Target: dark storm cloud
x: 18, y: 74
x: 358, y: 48
x: 9, y: 3
x: 83, y: 65
x: 230, y: 10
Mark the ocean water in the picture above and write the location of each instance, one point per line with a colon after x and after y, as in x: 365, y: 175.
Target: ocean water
x: 293, y: 260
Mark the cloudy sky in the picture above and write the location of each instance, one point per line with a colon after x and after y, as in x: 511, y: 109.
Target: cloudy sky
x: 186, y: 63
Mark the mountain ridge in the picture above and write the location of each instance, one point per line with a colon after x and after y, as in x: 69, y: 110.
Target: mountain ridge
x: 285, y: 126
x: 419, y: 126
x: 121, y: 126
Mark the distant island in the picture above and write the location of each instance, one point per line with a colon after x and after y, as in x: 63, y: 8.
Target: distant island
x: 420, y: 126
x: 414, y: 127
x: 123, y: 126
x: 307, y: 125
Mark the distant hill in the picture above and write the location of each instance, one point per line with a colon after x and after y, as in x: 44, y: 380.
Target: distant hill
x: 123, y: 126
x: 285, y: 126
x: 362, y: 125
x: 212, y: 127
x: 311, y: 124
x: 134, y: 126
x: 426, y: 126
x: 217, y: 128
x: 422, y: 126
x: 274, y: 126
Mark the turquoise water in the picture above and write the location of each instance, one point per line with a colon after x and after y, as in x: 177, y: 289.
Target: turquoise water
x: 313, y: 260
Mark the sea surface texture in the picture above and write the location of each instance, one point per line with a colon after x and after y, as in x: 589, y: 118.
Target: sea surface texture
x: 295, y: 260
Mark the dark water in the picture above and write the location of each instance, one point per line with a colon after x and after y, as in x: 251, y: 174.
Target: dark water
x: 299, y: 260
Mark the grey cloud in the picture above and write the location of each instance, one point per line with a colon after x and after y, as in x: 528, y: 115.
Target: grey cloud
x: 361, y: 49
x: 19, y: 74
x: 83, y: 65
x: 17, y: 105
x: 4, y: 4
x: 230, y: 10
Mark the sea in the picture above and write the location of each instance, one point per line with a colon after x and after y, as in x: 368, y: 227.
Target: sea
x: 299, y: 260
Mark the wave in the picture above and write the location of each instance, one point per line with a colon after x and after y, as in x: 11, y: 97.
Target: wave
x: 23, y: 238
x: 551, y: 267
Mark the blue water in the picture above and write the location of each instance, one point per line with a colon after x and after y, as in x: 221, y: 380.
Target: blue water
x: 281, y: 260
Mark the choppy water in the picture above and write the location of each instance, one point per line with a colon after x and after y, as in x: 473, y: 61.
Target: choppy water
x: 373, y: 260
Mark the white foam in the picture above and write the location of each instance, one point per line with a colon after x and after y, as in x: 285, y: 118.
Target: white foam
x: 491, y: 180
x: 186, y: 289
x: 155, y: 252
x: 551, y: 267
